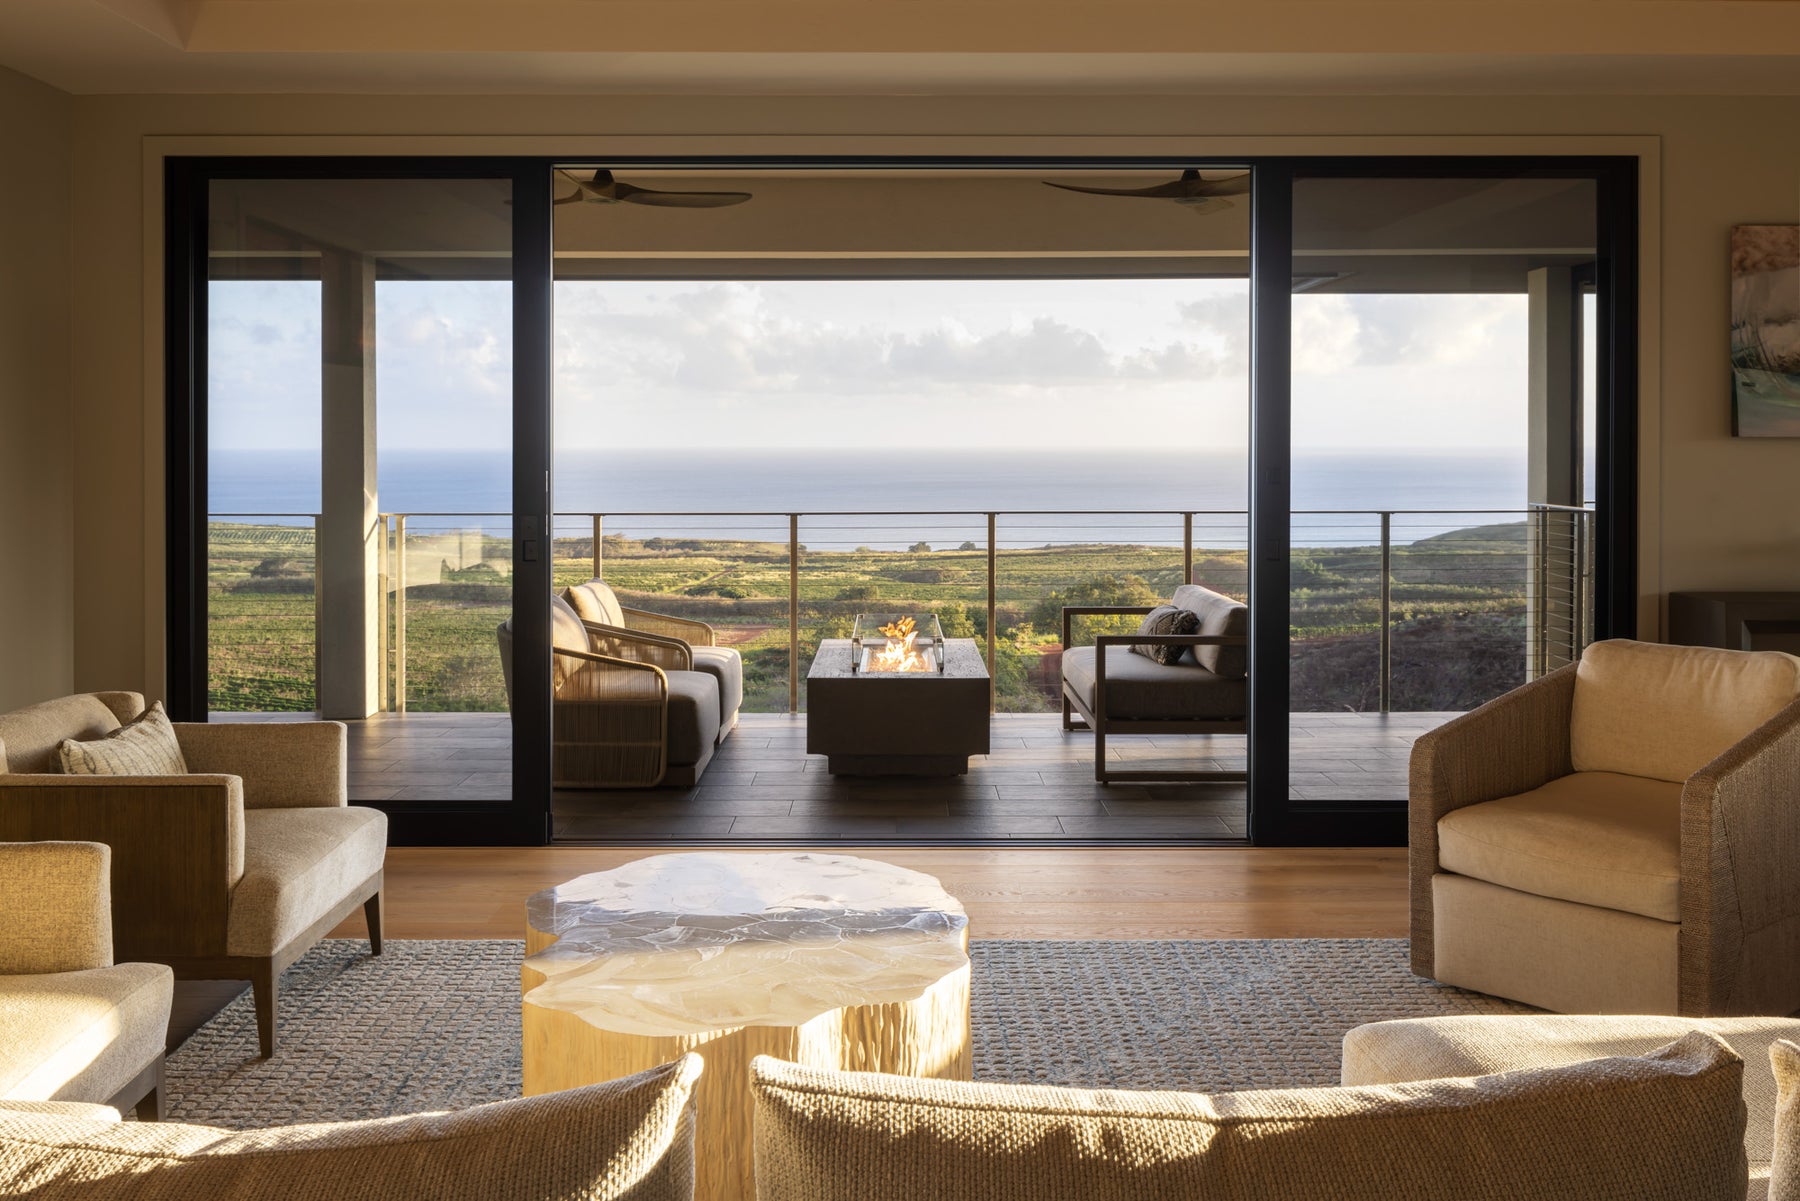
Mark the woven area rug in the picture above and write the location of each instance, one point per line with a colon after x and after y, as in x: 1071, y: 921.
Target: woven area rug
x: 435, y: 1025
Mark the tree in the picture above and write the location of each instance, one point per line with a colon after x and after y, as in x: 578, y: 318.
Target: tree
x: 1112, y: 589
x: 968, y: 546
x: 920, y: 548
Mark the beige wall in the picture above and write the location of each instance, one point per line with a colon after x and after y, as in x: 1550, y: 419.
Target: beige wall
x: 1725, y: 513
x: 36, y: 472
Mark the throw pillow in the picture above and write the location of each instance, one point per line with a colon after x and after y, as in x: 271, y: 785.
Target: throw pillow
x: 1784, y: 1168
x: 1667, y: 1126
x: 630, y: 1139
x: 1166, y: 619
x: 145, y: 747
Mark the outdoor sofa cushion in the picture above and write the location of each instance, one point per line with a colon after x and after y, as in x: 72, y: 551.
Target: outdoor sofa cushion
x: 1137, y: 687
x: 1220, y: 616
x: 1595, y: 838
x: 1667, y: 1126
x: 693, y: 716
x: 626, y: 1140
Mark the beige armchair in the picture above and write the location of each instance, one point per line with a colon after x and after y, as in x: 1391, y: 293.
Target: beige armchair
x: 1617, y: 837
x: 73, y: 1025
x: 625, y: 712
x: 230, y: 872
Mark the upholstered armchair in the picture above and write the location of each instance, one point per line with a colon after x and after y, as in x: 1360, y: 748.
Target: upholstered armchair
x: 1619, y: 836
x: 74, y: 1026
x: 230, y: 872
x: 677, y: 642
x: 625, y: 713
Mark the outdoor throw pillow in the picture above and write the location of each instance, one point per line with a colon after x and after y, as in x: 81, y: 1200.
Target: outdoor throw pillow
x: 145, y: 747
x: 1166, y: 619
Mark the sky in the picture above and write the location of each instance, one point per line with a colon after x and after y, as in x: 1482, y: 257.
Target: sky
x: 1037, y: 365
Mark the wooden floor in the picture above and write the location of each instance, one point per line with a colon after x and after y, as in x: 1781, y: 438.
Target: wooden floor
x: 1036, y: 785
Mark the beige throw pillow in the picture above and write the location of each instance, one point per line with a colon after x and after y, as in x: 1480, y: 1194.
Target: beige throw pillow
x: 1668, y: 1126
x: 629, y: 1140
x: 1784, y: 1167
x: 145, y: 747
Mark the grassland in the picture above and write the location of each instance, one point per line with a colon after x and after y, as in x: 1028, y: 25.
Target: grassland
x: 1457, y: 608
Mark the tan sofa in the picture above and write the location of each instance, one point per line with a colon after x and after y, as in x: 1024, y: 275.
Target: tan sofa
x: 230, y: 872
x: 1399, y: 1052
x: 1617, y: 837
x: 1665, y: 1126
x: 625, y: 1140
x: 74, y: 1026
x: 1118, y: 691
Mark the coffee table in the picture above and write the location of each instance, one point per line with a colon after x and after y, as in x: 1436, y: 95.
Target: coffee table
x: 824, y: 960
x: 897, y: 724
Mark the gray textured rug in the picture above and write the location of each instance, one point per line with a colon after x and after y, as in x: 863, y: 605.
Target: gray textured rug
x: 435, y: 1025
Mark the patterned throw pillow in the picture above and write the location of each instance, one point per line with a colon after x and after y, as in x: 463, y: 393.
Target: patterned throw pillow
x: 1166, y: 619
x: 145, y: 747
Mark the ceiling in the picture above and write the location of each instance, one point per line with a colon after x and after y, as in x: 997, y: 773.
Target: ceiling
x: 802, y: 46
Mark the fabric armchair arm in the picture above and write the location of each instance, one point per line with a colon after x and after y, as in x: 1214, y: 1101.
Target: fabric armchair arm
x: 1740, y: 895
x: 57, y: 900
x: 694, y: 633
x: 177, y: 849
x: 284, y: 765
x: 1512, y: 744
x: 617, y: 642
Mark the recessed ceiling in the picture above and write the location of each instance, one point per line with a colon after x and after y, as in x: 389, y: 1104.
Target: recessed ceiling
x: 829, y: 46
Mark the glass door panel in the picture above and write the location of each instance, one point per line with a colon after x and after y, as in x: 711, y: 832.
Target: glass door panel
x: 1438, y: 526
x: 359, y: 499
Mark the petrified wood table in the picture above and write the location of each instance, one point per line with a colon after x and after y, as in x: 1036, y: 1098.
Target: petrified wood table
x: 824, y: 960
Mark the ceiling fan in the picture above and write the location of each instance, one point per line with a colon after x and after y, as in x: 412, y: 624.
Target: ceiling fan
x: 1191, y: 191
x: 604, y: 189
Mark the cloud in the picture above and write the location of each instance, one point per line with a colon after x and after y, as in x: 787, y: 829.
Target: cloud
x: 1334, y: 332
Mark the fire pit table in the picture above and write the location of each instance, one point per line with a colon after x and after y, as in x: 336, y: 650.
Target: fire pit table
x: 897, y: 699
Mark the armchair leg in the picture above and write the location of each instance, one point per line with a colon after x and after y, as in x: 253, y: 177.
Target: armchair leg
x: 149, y: 1107
x: 372, y: 916
x: 263, y: 978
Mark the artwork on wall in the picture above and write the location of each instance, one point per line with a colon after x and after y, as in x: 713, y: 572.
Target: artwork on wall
x: 1765, y: 331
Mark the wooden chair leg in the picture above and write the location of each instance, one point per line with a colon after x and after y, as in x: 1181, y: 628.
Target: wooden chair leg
x: 149, y: 1107
x: 263, y: 978
x: 372, y: 916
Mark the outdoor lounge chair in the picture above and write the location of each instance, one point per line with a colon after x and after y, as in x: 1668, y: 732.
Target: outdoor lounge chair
x: 620, y: 631
x: 1119, y: 692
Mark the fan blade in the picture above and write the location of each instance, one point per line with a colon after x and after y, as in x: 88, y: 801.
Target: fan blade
x: 574, y: 197
x: 1235, y: 185
x: 682, y: 200
x: 1163, y: 191
x: 1205, y: 204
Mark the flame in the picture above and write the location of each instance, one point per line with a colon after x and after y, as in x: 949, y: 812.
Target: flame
x: 899, y: 654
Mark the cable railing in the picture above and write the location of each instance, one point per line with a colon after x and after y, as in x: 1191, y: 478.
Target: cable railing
x: 1381, y: 600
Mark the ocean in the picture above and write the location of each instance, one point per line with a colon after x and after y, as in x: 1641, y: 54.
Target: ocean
x: 842, y: 489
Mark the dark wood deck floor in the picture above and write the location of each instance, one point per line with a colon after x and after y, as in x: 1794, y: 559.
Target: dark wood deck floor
x: 1036, y: 784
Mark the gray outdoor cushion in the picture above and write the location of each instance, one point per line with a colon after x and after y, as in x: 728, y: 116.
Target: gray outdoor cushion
x: 693, y: 716
x: 725, y: 666
x: 1136, y: 687
x: 1219, y: 615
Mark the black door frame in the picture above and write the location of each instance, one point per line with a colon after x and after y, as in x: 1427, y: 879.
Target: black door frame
x: 525, y: 819
x: 1274, y: 818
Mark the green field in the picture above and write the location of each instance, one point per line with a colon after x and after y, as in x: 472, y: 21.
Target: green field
x: 1458, y: 611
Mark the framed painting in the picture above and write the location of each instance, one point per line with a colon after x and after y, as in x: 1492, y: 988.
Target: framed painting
x: 1765, y: 331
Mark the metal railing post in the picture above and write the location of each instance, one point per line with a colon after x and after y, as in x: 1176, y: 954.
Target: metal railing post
x: 1578, y: 588
x: 381, y: 617
x: 993, y: 572
x: 1387, y: 604
x: 1187, y: 548
x: 400, y: 613
x: 599, y: 521
x: 793, y: 612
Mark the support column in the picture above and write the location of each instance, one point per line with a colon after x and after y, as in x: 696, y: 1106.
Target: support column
x: 349, y: 535
x: 1554, y: 455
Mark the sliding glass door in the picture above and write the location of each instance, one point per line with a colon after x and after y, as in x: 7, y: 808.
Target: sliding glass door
x: 353, y: 460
